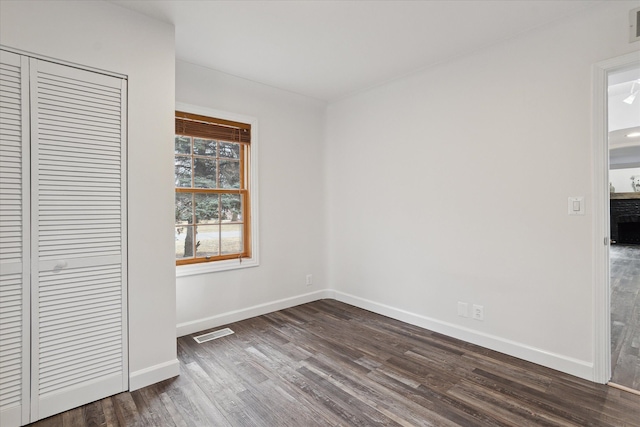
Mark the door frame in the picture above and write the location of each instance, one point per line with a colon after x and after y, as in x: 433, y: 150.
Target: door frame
x: 601, y: 218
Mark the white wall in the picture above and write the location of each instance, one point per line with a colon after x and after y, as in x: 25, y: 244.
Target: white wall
x: 510, y: 128
x: 291, y: 203
x: 105, y: 36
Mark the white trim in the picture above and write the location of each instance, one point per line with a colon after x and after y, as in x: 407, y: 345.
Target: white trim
x: 211, y: 267
x: 601, y: 228
x: 232, y: 264
x: 124, y: 212
x: 62, y: 62
x: 154, y: 374
x: 579, y: 368
x: 193, y: 326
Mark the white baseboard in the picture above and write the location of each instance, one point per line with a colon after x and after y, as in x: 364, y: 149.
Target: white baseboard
x: 153, y: 374
x: 187, y: 328
x: 579, y: 368
x: 569, y: 365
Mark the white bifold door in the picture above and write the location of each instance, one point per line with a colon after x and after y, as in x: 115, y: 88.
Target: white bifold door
x: 15, y: 309
x: 63, y: 340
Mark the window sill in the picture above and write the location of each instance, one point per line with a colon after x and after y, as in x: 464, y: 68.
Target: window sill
x: 215, y: 266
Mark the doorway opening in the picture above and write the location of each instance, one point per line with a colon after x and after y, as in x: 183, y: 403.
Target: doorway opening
x: 623, y: 136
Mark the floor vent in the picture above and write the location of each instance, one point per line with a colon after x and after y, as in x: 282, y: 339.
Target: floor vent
x: 213, y: 335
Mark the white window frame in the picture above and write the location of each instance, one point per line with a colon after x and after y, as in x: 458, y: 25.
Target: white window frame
x: 231, y: 264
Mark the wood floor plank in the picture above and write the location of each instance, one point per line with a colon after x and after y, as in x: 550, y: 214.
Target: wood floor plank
x: 566, y: 408
x: 126, y: 410
x: 173, y: 411
x: 205, y: 397
x: 74, y: 417
x: 376, y: 395
x: 94, y: 415
x: 507, y: 409
x: 426, y: 400
x: 110, y: 417
x: 331, y: 364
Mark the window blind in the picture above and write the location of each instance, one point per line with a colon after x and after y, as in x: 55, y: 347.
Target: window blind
x: 205, y: 127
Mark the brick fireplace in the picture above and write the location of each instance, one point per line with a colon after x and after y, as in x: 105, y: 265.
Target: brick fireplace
x: 625, y: 218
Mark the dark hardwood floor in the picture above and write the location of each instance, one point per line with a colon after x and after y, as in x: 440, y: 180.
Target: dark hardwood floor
x: 625, y: 315
x: 330, y: 364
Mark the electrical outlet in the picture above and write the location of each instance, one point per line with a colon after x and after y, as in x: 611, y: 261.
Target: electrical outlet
x: 309, y: 280
x: 478, y: 312
x: 463, y: 309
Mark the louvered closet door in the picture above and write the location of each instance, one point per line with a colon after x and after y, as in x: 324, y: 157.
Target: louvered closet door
x: 78, y: 237
x: 14, y: 240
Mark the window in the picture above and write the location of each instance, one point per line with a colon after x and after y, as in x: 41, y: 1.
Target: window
x: 212, y: 215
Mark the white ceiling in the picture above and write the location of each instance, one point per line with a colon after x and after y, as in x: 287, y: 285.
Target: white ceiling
x: 331, y: 49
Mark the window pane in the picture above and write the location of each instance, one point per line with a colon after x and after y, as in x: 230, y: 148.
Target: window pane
x: 184, y: 208
x: 229, y: 174
x: 184, y: 242
x: 231, y: 238
x: 205, y: 173
x: 204, y: 147
x: 229, y: 150
x: 231, y: 207
x: 207, y: 240
x: 183, y: 144
x: 209, y: 224
x: 207, y: 208
x: 183, y: 171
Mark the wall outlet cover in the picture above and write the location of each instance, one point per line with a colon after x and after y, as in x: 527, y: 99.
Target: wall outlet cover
x: 478, y: 312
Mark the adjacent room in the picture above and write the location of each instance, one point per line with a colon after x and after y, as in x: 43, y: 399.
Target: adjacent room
x: 624, y: 169
x: 383, y: 213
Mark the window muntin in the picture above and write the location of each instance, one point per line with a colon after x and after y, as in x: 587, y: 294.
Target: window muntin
x: 212, y: 196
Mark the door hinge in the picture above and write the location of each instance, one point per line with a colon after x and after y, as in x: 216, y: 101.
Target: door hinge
x: 606, y: 241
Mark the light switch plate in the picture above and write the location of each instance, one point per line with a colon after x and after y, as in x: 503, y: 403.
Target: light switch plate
x: 576, y: 205
x: 463, y: 309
